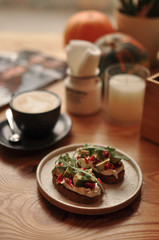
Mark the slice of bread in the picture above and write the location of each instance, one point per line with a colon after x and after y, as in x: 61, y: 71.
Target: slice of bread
x: 111, y: 178
x: 100, y: 159
x: 73, y: 196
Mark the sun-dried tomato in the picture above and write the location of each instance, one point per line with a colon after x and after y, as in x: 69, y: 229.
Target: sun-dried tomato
x: 89, y: 185
x: 69, y: 181
x: 60, y: 164
x: 105, y: 154
x: 87, y: 161
x: 59, y: 178
x: 83, y: 168
x: 92, y: 158
x: 99, y: 180
x: 109, y: 166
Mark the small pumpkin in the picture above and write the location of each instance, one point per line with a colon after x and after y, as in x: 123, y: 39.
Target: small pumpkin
x: 120, y: 48
x: 87, y: 25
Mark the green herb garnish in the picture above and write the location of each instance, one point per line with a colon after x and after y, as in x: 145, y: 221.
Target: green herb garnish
x: 70, y: 162
x: 100, y: 149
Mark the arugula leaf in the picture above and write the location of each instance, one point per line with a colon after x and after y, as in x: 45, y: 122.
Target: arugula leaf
x: 111, y: 150
x: 118, y: 156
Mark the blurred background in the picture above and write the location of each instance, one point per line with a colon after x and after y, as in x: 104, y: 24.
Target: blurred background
x: 46, y: 15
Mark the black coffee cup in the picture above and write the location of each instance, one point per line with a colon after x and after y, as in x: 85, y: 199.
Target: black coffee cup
x: 36, y: 112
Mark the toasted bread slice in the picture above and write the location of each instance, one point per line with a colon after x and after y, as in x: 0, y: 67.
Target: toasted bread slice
x: 73, y: 196
x: 111, y: 178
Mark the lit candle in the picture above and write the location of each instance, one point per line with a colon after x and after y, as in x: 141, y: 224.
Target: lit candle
x: 125, y: 97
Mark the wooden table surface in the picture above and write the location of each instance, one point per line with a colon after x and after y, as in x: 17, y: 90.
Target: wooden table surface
x: 25, y: 214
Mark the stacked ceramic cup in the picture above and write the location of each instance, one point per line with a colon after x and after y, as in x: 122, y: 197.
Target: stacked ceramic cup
x: 83, y: 86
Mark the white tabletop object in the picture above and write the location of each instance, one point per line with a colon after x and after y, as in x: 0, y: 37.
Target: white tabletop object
x: 125, y: 97
x: 83, y: 58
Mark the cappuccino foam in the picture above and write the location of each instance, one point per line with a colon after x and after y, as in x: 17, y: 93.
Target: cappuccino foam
x: 35, y: 102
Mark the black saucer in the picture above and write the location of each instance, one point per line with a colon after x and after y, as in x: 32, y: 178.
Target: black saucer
x: 62, y: 128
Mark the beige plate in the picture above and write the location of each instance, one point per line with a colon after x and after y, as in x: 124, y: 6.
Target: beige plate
x: 118, y: 195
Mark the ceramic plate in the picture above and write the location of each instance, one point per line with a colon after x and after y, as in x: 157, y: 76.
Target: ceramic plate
x: 61, y: 129
x: 117, y: 196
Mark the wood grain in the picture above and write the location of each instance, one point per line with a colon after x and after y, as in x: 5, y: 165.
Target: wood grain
x: 25, y: 214
x: 150, y: 126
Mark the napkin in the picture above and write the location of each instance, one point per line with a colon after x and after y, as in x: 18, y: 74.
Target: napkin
x: 83, y: 58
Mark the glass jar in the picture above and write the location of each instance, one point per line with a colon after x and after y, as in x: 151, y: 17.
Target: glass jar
x: 124, y: 92
x: 83, y: 94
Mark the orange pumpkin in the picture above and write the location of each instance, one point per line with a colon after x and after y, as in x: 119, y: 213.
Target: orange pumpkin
x: 87, y: 25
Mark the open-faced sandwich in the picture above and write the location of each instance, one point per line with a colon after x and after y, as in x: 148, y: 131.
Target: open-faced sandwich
x: 75, y: 183
x: 105, y: 162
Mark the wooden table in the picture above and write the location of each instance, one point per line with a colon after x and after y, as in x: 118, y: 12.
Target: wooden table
x: 25, y: 214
